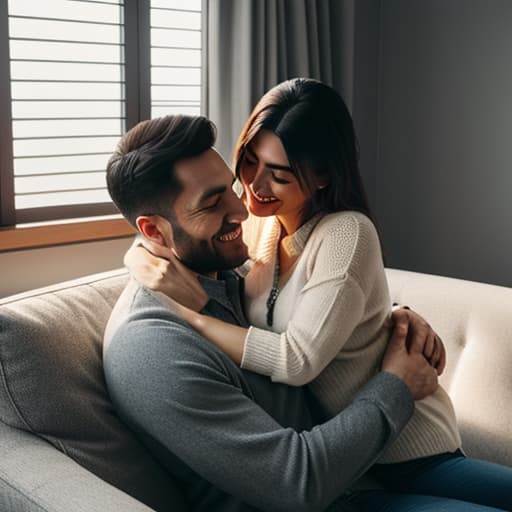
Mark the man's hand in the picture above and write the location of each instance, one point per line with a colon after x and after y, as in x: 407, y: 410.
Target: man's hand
x: 406, y: 360
x: 420, y: 333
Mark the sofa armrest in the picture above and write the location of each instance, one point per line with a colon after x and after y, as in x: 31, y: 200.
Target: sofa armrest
x: 36, y: 477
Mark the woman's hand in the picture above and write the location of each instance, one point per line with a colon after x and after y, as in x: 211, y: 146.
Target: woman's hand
x: 158, y: 268
x: 421, y: 333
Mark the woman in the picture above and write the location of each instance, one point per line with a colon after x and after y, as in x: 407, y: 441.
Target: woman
x: 316, y: 294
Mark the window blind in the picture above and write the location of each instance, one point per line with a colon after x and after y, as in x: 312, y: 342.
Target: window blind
x: 67, y: 92
x: 68, y: 65
x: 175, y: 57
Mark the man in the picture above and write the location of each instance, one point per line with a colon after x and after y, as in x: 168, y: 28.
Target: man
x: 234, y: 440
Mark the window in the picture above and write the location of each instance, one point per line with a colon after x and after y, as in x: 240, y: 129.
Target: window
x: 75, y: 74
x: 175, y: 57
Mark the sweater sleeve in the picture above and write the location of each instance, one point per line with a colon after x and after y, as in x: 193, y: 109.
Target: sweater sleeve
x: 330, y: 305
x: 195, y: 402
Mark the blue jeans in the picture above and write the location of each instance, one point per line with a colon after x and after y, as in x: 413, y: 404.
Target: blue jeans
x: 448, y: 482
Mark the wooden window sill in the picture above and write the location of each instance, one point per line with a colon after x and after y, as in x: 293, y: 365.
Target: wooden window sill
x: 30, y: 237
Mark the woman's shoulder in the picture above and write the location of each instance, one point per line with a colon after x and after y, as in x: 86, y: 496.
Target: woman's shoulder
x: 348, y: 240
x: 345, y: 226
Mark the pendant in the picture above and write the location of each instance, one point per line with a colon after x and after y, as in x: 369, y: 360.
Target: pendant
x: 271, y: 301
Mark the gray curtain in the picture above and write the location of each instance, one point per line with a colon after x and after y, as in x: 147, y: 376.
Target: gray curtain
x: 254, y: 44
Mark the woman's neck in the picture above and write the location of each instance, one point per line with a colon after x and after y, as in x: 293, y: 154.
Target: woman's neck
x: 289, y: 224
x: 286, y: 260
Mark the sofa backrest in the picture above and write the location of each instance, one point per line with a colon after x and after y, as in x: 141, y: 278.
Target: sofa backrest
x: 52, y: 384
x: 475, y: 322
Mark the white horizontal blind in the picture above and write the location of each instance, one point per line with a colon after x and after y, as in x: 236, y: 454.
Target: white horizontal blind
x: 67, y: 90
x: 69, y: 98
x: 175, y: 57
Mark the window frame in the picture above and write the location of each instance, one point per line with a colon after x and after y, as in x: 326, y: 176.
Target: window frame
x: 15, y: 233
x: 7, y: 212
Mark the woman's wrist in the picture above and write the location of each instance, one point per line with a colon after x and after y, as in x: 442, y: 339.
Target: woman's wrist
x: 196, y: 320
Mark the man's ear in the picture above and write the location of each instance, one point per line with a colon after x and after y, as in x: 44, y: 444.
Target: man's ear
x: 156, y: 230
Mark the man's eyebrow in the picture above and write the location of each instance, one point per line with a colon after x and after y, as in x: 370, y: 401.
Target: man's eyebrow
x: 270, y: 165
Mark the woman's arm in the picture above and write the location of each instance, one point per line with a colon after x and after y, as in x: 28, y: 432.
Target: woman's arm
x: 298, y: 355
x: 345, y: 269
x: 329, y: 308
x: 347, y: 275
x: 228, y: 337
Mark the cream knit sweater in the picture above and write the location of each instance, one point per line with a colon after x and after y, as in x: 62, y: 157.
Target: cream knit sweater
x: 330, y: 324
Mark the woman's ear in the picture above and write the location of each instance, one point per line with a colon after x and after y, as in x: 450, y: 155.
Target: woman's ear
x: 321, y: 182
x: 156, y: 230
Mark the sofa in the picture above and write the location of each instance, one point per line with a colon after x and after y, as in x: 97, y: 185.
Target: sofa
x: 63, y: 448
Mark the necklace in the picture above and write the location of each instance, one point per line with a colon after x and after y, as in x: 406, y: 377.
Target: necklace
x: 274, y: 292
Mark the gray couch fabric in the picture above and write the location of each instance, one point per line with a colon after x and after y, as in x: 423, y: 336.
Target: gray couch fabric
x: 35, y: 477
x: 52, y: 387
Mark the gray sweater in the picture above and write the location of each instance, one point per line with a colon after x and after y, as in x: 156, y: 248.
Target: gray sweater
x: 234, y: 440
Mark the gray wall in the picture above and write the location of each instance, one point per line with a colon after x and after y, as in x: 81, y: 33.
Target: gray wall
x: 365, y: 90
x: 444, y: 141
x: 432, y: 106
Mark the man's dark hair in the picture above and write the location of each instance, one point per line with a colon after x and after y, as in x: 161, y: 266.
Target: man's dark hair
x: 140, y: 173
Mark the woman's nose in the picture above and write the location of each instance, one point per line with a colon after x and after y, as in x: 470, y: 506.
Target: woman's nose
x: 260, y: 181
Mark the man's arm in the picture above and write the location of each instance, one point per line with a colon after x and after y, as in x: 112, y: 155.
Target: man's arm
x: 192, y: 399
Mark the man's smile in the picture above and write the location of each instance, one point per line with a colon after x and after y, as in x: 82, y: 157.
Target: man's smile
x: 232, y: 235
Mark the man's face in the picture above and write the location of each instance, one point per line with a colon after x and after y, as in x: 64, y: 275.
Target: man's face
x: 208, y: 215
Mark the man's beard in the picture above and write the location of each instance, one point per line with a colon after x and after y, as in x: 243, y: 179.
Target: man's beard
x: 200, y: 255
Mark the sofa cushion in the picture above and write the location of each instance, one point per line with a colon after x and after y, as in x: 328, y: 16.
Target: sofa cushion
x: 475, y: 323
x: 52, y: 384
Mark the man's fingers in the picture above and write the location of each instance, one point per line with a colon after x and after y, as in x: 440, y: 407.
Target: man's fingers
x: 429, y: 348
x: 438, y: 357
x: 436, y: 351
x: 419, y: 338
x: 398, y: 337
x: 396, y: 350
x: 441, y: 365
x: 400, y: 315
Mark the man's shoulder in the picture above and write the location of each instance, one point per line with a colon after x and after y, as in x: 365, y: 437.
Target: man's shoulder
x: 144, y: 331
x: 137, y: 305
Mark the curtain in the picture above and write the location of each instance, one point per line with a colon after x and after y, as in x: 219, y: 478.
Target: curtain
x: 254, y: 44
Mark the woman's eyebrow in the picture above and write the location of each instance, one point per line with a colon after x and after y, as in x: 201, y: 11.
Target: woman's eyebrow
x: 270, y: 165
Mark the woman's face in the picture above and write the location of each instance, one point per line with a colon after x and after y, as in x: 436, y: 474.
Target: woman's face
x: 269, y: 184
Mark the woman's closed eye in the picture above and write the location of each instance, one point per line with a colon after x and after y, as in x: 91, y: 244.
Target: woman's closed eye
x: 249, y: 161
x: 278, y: 179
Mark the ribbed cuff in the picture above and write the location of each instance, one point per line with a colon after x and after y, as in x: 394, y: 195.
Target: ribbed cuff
x: 393, y: 398
x: 261, y: 351
x: 432, y: 430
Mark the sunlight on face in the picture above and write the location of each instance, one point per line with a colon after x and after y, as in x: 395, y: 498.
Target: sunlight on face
x: 208, y: 215
x: 270, y: 186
